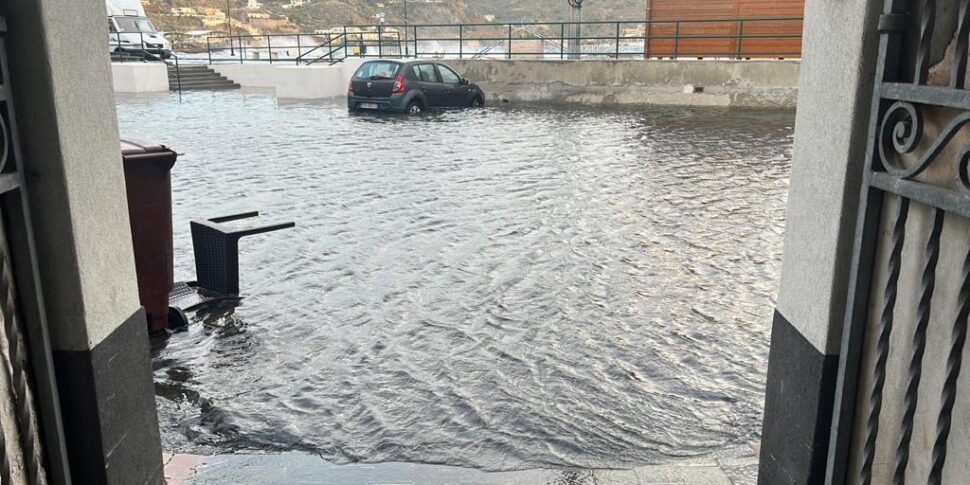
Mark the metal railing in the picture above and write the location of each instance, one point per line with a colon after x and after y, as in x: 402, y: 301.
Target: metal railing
x: 738, y: 38
x: 128, y: 52
x: 301, y: 49
x: 325, y: 50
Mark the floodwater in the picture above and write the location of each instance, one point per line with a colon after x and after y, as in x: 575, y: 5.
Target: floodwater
x: 508, y: 288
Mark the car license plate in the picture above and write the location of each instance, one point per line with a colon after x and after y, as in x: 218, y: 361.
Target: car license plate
x: 369, y: 106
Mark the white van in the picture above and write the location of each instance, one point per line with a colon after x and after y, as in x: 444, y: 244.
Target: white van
x: 129, y: 30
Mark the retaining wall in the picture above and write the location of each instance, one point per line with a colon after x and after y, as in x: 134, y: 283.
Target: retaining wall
x: 293, y: 82
x: 768, y: 84
x: 674, y: 82
x: 139, y: 77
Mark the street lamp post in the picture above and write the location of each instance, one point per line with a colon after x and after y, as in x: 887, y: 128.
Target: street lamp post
x: 232, y: 50
x: 407, y: 46
x: 576, y: 16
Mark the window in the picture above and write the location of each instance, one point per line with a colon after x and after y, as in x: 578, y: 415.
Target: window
x: 111, y: 26
x: 448, y: 76
x: 134, y: 24
x: 425, y: 72
x: 377, y: 70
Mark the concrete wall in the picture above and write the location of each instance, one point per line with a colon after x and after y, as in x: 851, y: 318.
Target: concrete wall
x: 831, y: 129
x: 309, y: 82
x: 724, y: 83
x: 68, y: 138
x: 139, y: 77
x: 293, y: 82
x: 252, y: 75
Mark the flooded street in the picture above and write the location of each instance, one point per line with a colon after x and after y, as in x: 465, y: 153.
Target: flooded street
x: 504, y: 289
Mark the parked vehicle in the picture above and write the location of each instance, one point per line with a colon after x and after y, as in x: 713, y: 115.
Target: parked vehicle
x: 410, y: 87
x: 130, y: 31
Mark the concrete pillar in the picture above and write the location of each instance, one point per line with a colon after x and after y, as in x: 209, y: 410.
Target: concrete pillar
x: 61, y: 80
x: 840, y: 47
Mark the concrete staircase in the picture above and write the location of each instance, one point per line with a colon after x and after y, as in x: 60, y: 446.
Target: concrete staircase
x: 198, y: 78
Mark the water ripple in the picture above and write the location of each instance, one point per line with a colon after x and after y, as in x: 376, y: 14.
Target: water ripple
x: 503, y: 288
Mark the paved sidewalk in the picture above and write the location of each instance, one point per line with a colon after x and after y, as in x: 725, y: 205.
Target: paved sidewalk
x: 299, y: 468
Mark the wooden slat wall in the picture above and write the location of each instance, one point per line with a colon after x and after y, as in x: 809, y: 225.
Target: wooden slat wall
x: 782, y: 47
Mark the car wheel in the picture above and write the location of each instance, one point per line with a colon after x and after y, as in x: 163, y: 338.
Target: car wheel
x: 177, y: 320
x: 415, y: 108
x: 478, y: 102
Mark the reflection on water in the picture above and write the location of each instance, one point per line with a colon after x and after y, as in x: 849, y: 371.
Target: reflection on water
x: 504, y: 288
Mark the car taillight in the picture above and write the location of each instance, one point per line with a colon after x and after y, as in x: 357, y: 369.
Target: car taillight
x: 399, y: 84
x: 350, y: 87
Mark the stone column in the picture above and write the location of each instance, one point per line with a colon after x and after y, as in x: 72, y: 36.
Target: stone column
x: 61, y: 80
x: 840, y: 46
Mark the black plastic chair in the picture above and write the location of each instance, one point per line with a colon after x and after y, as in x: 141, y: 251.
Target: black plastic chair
x: 216, y: 249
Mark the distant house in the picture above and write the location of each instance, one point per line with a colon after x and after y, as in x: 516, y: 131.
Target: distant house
x: 213, y: 21
x: 719, y: 39
x: 184, y: 11
x: 254, y: 4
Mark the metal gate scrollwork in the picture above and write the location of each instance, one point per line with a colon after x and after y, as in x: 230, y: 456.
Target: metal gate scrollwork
x: 907, y: 314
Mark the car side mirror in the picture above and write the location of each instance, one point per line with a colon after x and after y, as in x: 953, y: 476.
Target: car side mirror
x: 464, y: 81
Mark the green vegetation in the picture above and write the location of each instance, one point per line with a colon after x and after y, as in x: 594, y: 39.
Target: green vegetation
x: 287, y: 16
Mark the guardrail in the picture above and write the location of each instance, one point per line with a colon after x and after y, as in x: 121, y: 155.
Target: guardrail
x: 301, y: 49
x: 738, y: 38
x: 126, y: 52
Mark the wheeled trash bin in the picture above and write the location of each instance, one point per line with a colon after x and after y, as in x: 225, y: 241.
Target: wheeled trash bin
x: 147, y: 176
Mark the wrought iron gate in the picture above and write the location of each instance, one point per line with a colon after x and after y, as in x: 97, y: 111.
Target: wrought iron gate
x: 909, y: 301
x: 26, y: 355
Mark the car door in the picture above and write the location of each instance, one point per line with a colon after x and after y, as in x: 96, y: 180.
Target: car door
x: 430, y: 85
x: 456, y: 95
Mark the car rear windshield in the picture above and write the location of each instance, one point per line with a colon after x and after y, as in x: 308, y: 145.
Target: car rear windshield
x: 377, y: 70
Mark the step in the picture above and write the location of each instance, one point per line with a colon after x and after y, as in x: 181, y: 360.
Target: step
x: 194, y: 73
x: 198, y: 78
x: 201, y: 87
x: 205, y: 83
x: 185, y: 76
x: 217, y: 80
x: 191, y: 71
x: 211, y: 88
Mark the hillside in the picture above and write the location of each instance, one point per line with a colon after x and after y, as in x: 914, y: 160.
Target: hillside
x: 287, y: 16
x: 556, y: 10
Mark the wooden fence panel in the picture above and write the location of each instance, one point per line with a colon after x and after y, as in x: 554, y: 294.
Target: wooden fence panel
x: 762, y: 38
